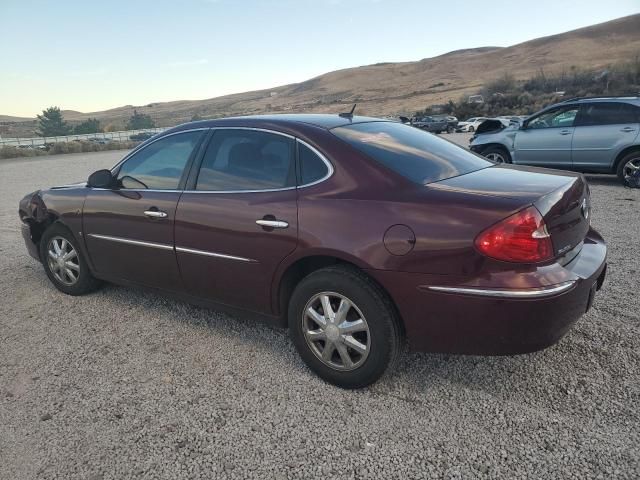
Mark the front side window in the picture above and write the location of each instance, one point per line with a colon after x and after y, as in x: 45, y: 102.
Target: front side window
x: 160, y: 165
x: 413, y: 153
x: 563, y: 117
x: 238, y: 160
x: 613, y: 113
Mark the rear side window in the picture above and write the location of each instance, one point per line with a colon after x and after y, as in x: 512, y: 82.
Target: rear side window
x: 415, y: 154
x: 312, y: 168
x: 613, y: 113
x: 238, y: 160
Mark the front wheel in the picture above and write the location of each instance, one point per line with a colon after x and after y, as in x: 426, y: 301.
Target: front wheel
x: 470, y: 129
x: 344, y: 326
x: 497, y: 155
x: 629, y: 170
x: 64, y: 262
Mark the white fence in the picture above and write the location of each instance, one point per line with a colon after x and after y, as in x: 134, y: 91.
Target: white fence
x: 109, y: 136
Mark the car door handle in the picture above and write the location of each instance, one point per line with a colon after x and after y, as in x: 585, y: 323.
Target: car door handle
x: 628, y: 129
x: 565, y: 132
x: 272, y: 223
x: 155, y: 214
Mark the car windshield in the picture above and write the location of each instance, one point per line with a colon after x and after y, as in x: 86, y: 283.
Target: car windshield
x: 413, y: 153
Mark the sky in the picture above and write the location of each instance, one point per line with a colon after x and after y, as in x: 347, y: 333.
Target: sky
x: 90, y: 56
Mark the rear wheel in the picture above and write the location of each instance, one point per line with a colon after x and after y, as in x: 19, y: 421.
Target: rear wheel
x: 344, y: 327
x: 629, y: 168
x: 64, y: 263
x: 497, y: 155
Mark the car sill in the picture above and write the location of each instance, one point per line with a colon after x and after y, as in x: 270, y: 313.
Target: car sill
x: 504, y: 293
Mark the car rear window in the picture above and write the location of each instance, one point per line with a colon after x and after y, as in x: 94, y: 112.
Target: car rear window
x: 415, y: 154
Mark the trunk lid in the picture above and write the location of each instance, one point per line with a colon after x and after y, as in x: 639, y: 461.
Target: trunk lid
x: 561, y: 197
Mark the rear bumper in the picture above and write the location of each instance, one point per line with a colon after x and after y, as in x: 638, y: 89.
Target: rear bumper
x: 32, y: 247
x: 483, y: 320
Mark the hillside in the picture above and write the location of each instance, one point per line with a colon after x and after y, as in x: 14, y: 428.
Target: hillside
x: 397, y: 88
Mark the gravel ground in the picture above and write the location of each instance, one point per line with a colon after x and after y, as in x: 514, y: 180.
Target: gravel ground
x: 126, y: 384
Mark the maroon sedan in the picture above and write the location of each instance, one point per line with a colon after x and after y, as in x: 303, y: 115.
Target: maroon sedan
x: 354, y: 232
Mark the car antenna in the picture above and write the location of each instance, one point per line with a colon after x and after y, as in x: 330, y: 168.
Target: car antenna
x: 348, y: 114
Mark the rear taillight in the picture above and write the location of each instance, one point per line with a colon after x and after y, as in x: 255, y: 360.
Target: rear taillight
x: 522, y: 237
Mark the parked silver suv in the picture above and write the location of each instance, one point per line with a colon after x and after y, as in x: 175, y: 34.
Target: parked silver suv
x: 592, y: 135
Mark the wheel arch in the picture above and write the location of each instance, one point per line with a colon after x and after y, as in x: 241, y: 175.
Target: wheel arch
x: 486, y: 146
x: 622, y: 154
x: 300, y: 267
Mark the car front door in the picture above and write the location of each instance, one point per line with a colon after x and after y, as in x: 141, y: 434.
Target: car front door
x: 128, y: 229
x: 546, y: 139
x: 238, y: 218
x: 603, y: 129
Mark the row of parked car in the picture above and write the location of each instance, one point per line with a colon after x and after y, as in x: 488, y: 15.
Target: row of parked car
x: 450, y: 124
x: 590, y: 135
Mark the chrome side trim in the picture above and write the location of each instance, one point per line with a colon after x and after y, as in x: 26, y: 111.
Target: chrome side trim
x: 212, y: 254
x: 161, y: 246
x: 135, y: 190
x: 330, y: 168
x: 266, y: 190
x: 503, y: 293
x: 323, y: 158
x: 257, y: 129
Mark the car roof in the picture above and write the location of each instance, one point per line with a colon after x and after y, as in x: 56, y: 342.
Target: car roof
x: 327, y: 121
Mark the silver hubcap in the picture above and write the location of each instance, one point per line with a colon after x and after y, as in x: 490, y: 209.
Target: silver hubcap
x: 336, y: 331
x: 63, y: 261
x: 495, y: 157
x: 631, y: 167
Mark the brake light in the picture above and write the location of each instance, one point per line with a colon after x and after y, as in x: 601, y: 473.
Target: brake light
x: 522, y: 237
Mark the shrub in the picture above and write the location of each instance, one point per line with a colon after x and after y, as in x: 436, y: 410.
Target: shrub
x: 9, y: 151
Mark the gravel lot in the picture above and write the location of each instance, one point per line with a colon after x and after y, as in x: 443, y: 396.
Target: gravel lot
x: 127, y: 384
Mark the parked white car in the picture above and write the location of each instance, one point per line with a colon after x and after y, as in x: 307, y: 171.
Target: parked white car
x: 470, y: 125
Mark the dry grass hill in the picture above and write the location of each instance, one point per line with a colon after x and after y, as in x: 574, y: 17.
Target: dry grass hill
x: 396, y: 88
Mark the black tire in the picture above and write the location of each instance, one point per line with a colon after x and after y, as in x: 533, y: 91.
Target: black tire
x: 450, y: 129
x: 471, y: 129
x: 85, y: 282
x: 624, y: 161
x: 497, y: 152
x: 379, y: 314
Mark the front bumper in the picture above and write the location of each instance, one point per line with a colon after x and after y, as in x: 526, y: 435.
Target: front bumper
x: 468, y: 322
x: 32, y: 247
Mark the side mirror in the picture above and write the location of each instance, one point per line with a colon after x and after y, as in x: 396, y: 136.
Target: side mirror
x: 100, y: 179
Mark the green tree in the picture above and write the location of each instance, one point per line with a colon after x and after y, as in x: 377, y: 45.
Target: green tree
x: 52, y: 124
x: 139, y: 121
x: 90, y: 125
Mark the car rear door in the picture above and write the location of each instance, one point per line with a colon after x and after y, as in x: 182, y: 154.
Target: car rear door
x: 603, y: 129
x: 238, y: 219
x: 128, y: 229
x: 545, y: 140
